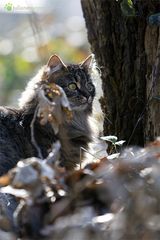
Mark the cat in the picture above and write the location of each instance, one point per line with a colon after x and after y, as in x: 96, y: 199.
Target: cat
x: 15, y: 132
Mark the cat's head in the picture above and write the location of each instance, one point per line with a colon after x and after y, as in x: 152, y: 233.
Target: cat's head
x: 75, y: 79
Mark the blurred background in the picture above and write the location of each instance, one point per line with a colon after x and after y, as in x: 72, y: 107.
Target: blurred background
x: 32, y: 30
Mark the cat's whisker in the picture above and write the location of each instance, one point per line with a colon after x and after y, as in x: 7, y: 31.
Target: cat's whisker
x: 85, y: 150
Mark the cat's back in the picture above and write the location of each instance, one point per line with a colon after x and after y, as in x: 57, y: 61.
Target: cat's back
x: 13, y: 142
x: 9, y: 120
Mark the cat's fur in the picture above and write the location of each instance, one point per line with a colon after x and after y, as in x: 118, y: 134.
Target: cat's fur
x: 15, y: 133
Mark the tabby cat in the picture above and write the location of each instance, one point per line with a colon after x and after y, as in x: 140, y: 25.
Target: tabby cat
x: 15, y: 132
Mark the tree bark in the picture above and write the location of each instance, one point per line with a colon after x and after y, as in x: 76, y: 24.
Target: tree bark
x: 127, y: 51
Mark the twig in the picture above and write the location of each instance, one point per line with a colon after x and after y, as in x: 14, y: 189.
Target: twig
x: 32, y: 134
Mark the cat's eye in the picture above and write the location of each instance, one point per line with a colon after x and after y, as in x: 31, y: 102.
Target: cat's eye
x: 72, y: 86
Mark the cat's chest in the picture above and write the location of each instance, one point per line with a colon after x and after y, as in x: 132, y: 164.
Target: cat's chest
x: 79, y: 126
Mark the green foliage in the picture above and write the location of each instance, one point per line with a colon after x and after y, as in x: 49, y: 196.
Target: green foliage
x: 23, y: 68
x: 114, y: 143
x: 110, y: 138
x: 15, y: 70
x: 120, y: 143
x: 127, y: 8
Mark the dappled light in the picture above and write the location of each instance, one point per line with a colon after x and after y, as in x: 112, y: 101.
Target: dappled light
x: 79, y: 120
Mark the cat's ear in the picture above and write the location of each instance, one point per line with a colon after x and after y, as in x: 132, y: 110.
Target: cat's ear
x: 88, y: 62
x: 56, y: 63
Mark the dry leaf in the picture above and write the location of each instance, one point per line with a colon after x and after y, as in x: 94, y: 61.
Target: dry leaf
x: 53, y: 106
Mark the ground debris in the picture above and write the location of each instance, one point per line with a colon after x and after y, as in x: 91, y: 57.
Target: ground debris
x: 107, y: 199
x: 53, y: 108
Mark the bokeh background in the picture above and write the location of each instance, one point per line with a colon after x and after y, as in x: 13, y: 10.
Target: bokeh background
x: 32, y: 30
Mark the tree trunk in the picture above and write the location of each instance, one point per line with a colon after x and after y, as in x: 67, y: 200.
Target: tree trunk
x: 126, y: 50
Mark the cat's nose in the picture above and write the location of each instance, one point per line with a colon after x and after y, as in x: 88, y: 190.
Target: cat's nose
x: 87, y: 99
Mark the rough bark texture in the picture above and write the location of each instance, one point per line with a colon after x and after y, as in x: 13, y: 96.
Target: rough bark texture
x: 125, y: 49
x: 152, y: 46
